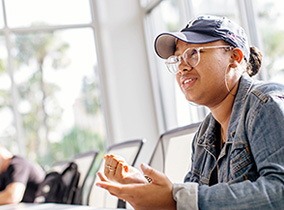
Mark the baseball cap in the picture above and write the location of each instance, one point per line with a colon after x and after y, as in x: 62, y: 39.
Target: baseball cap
x: 204, y: 29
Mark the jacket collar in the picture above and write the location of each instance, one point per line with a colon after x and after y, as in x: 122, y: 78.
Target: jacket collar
x: 244, y: 88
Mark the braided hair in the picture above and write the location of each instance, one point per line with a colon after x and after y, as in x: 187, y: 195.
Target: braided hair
x: 255, y: 61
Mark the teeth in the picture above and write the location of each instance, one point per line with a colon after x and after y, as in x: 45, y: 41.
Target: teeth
x: 187, y: 81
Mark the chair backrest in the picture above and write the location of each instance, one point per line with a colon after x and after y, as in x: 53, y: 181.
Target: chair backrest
x: 85, y: 162
x: 129, y: 150
x: 59, y: 166
x: 172, y: 154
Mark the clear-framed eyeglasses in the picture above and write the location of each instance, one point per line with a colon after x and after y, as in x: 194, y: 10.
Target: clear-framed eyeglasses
x: 190, y: 56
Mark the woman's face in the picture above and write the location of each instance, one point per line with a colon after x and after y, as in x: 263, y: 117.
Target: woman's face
x: 204, y: 84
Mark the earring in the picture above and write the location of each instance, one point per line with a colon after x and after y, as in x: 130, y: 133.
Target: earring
x: 226, y: 83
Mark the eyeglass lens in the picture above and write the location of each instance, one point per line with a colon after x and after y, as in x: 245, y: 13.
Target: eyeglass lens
x: 190, y: 57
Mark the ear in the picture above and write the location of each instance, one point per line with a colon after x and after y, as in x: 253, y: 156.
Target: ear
x: 237, y: 57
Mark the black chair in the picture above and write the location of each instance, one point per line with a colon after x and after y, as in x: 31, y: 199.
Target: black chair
x: 172, y: 154
x: 85, y: 162
x: 99, y: 197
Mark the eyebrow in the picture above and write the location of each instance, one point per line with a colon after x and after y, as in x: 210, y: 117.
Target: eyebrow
x: 177, y: 48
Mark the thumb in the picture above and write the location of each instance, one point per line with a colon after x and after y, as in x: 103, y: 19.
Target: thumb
x: 153, y: 174
x: 102, y: 176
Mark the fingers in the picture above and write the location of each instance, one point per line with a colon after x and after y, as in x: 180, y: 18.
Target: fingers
x: 113, y: 159
x: 125, y: 168
x: 115, y: 167
x: 110, y: 165
x: 155, y: 176
x: 102, y: 177
x: 123, y: 191
x: 121, y: 167
x: 111, y: 187
x: 118, y: 190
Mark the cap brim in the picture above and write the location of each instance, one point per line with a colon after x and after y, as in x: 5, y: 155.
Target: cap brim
x: 165, y: 43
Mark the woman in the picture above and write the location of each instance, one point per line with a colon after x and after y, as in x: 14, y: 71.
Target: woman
x: 238, y: 151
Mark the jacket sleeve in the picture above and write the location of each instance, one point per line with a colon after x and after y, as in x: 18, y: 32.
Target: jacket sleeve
x: 186, y: 196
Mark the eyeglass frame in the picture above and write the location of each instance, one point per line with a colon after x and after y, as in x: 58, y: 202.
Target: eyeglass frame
x: 198, y: 54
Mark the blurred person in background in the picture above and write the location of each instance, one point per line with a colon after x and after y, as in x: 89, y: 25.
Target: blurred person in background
x: 238, y: 150
x: 19, y: 178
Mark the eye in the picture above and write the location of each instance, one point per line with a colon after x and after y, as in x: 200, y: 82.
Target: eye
x: 193, y: 54
x: 194, y: 51
x: 188, y: 53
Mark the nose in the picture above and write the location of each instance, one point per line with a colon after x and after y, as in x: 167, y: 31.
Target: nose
x: 183, y: 67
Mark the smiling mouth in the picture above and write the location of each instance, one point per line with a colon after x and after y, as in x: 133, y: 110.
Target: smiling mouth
x: 187, y: 81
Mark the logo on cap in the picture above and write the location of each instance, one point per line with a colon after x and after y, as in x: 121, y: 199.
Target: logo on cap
x: 231, y: 36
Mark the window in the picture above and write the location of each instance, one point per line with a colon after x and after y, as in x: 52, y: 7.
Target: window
x: 217, y: 7
x: 1, y: 17
x: 270, y: 17
x: 165, y: 17
x: 42, y: 12
x: 50, y: 91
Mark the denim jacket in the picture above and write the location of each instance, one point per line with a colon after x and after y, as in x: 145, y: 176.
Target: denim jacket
x: 248, y: 173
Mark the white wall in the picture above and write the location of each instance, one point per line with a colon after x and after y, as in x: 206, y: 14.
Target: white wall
x: 128, y: 98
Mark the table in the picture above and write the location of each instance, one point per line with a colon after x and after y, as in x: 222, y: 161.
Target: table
x: 45, y: 206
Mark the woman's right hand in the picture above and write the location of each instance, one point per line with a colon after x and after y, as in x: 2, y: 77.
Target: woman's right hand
x: 116, y: 169
x: 155, y: 195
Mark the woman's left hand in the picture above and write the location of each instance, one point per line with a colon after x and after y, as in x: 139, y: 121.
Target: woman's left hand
x: 155, y: 195
x: 116, y: 169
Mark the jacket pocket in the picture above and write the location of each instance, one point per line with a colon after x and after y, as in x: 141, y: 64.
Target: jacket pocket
x: 240, y: 161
